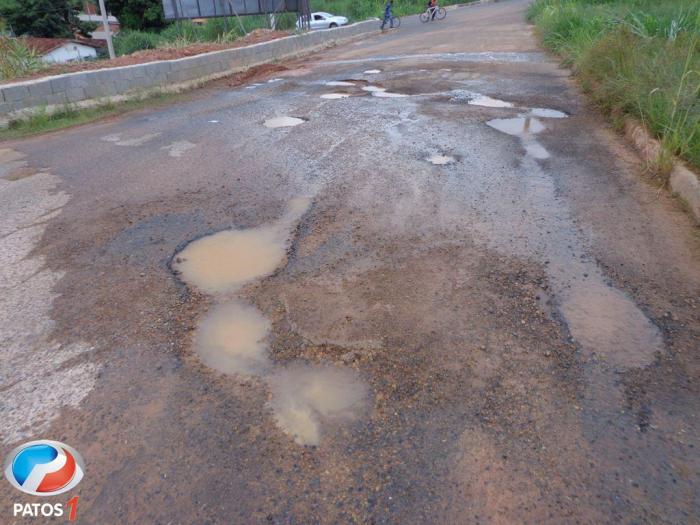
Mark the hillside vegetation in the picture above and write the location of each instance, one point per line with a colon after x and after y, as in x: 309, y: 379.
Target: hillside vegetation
x: 636, y: 57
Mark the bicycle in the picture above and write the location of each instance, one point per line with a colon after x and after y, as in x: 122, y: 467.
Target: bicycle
x: 427, y: 16
x: 394, y: 22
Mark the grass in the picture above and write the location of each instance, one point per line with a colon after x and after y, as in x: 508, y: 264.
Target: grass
x: 70, y: 115
x: 634, y: 57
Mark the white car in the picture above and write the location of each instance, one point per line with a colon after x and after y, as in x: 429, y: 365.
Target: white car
x: 323, y: 20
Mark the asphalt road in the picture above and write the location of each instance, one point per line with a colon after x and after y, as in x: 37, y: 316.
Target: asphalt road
x: 468, y: 304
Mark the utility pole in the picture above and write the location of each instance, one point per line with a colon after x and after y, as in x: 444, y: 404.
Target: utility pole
x: 108, y: 32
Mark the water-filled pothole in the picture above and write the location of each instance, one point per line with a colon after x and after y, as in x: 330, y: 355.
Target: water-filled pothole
x: 224, y: 261
x: 232, y: 339
x: 486, y: 101
x: 340, y: 83
x: 441, y: 160
x: 517, y: 126
x: 374, y: 89
x: 303, y: 396
x: 233, y: 336
x: 335, y: 96
x: 387, y: 94
x: 283, y: 122
x: 372, y: 71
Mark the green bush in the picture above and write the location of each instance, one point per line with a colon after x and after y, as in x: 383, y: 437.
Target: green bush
x: 637, y: 57
x: 127, y: 42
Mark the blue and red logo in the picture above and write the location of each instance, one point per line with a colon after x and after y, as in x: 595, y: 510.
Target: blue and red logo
x: 44, y: 468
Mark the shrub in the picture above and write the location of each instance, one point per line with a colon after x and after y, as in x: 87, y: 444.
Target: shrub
x: 127, y: 42
x: 16, y: 59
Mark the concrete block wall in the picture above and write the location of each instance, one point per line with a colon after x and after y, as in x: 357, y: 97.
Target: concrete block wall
x: 19, y: 97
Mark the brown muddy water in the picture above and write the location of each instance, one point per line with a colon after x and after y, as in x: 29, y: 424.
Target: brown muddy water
x: 224, y: 261
x: 305, y: 395
x: 233, y: 337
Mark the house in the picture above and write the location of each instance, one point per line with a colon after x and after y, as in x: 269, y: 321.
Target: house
x: 60, y: 50
x: 92, y: 14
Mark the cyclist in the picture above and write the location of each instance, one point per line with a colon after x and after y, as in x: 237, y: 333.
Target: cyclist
x: 433, y: 8
x: 387, y: 13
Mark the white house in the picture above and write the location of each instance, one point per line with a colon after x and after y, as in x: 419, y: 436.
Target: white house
x: 59, y: 50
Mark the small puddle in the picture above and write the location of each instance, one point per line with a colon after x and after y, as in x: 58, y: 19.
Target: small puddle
x: 607, y: 322
x: 374, y: 89
x: 518, y: 126
x: 223, y: 261
x: 232, y: 339
x: 547, y: 113
x: 387, y: 94
x: 441, y: 160
x: 283, y: 122
x: 483, y: 100
x: 178, y: 149
x: 372, y: 71
x: 304, y: 397
x: 339, y: 83
x: 335, y: 96
x: 138, y: 141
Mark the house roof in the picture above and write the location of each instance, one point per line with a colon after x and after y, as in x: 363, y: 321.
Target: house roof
x: 44, y: 46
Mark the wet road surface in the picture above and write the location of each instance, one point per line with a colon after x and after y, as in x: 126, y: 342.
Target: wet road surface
x: 446, y: 293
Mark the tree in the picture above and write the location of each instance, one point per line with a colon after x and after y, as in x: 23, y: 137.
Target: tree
x: 43, y: 18
x: 137, y: 14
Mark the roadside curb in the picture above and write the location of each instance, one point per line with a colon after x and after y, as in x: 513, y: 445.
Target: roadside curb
x: 682, y: 182
x: 85, y: 89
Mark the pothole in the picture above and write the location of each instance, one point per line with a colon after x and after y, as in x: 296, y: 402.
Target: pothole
x: 340, y: 83
x: 303, y: 396
x: 387, y: 94
x: 547, y: 113
x: 283, y: 122
x: 486, y: 101
x: 517, y: 126
x: 233, y: 337
x: 223, y: 261
x: 372, y: 71
x: 335, y: 96
x: 374, y: 89
x: 441, y: 160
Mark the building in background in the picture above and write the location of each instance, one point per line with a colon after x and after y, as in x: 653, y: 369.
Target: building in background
x: 61, y: 50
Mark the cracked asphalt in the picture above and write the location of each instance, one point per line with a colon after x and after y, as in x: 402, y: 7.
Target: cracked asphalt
x: 522, y: 311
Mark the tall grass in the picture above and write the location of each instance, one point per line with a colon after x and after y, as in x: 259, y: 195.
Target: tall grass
x: 16, y: 59
x: 636, y: 57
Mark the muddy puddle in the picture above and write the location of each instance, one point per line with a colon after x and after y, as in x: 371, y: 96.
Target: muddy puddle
x: 607, y: 322
x: 372, y: 71
x: 233, y: 337
x: 303, y: 396
x: 340, y: 83
x: 283, y: 122
x: 224, y: 261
